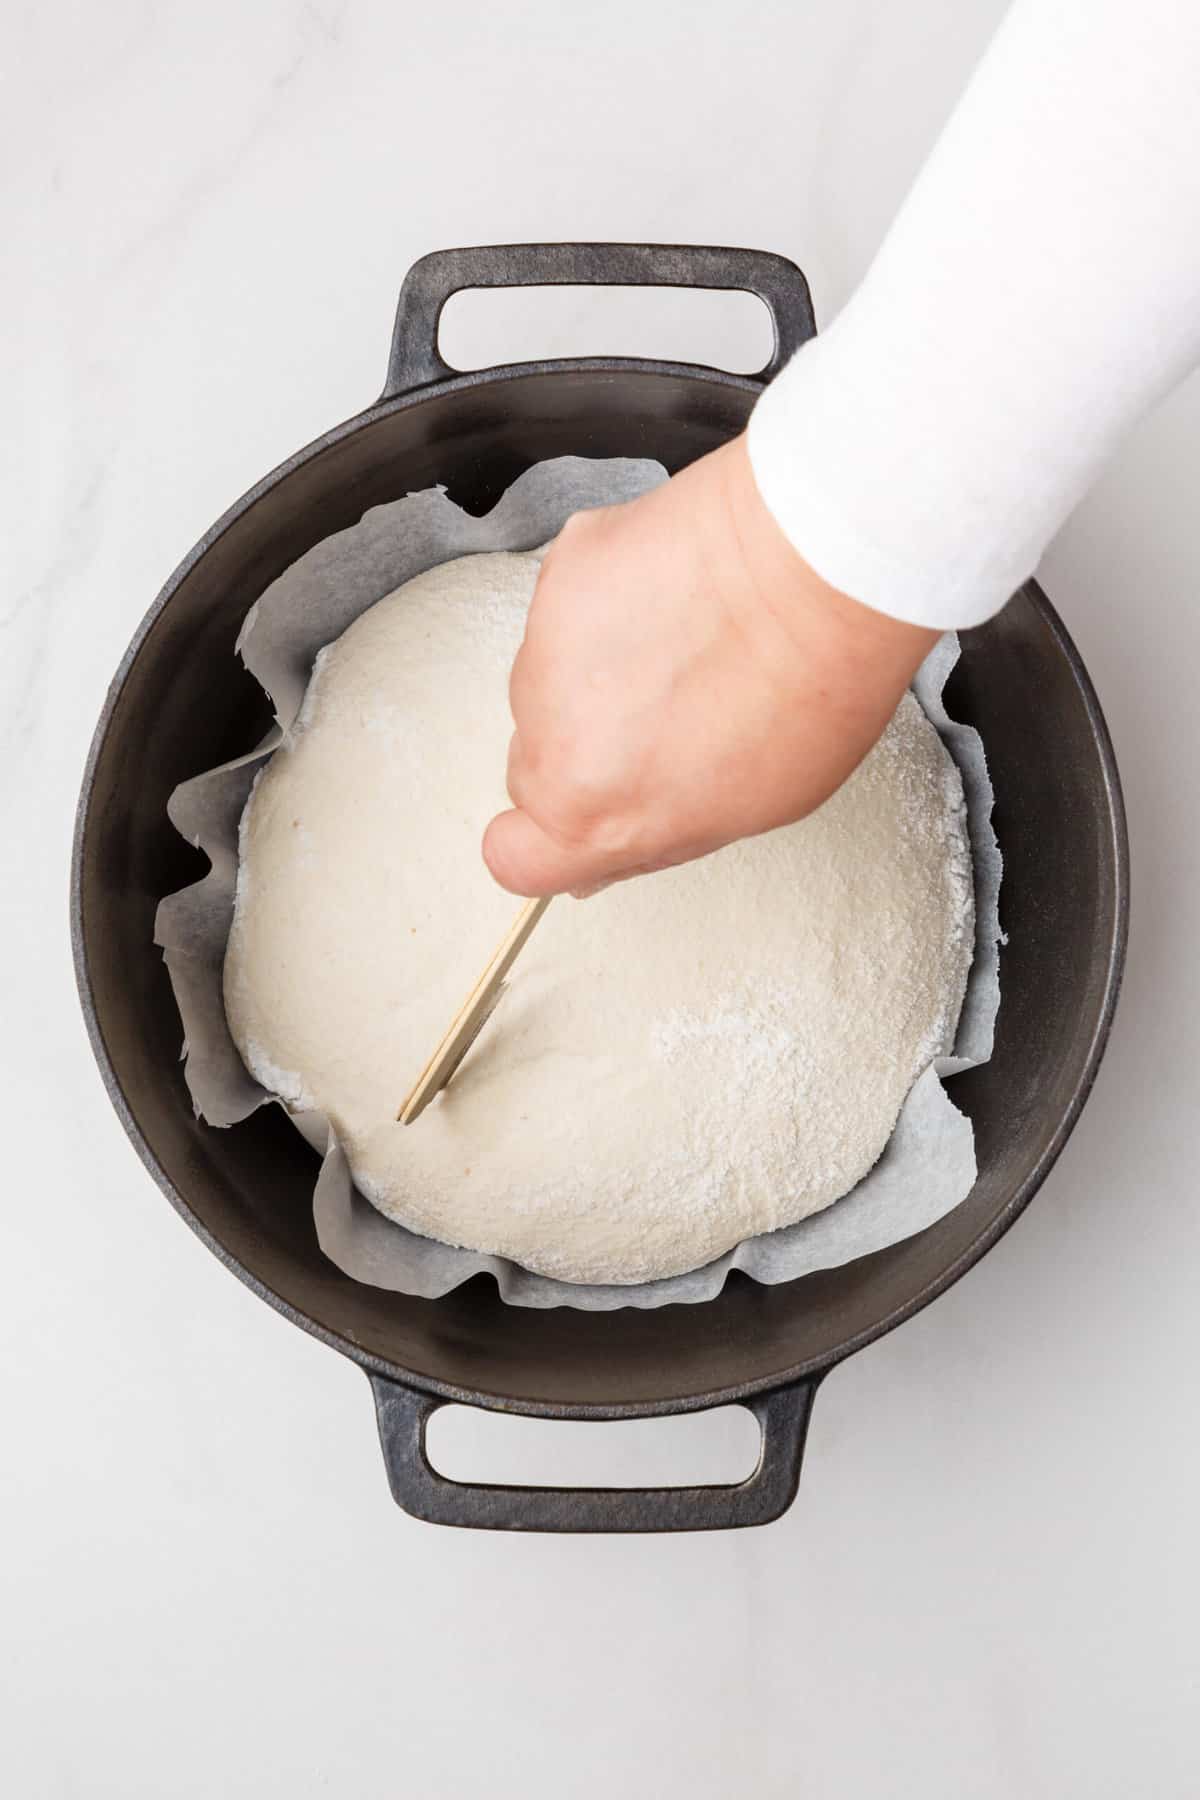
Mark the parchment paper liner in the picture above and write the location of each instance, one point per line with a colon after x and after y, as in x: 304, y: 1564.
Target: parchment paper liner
x: 929, y: 1164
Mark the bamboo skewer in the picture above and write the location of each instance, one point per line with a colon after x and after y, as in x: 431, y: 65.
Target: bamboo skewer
x: 472, y: 1016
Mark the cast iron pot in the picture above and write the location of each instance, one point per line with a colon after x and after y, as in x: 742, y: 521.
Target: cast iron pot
x: 180, y: 702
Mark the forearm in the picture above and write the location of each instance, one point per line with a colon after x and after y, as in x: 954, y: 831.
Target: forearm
x: 1039, y: 290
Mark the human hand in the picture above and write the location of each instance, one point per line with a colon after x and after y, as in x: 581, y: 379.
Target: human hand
x: 685, y: 679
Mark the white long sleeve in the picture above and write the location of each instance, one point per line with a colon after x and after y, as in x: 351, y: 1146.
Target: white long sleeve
x: 1038, y: 291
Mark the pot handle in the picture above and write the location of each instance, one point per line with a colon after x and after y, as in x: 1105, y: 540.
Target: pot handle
x: 404, y: 1414
x: 415, y: 360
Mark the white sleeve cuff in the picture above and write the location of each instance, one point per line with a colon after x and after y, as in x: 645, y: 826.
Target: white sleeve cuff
x: 940, y: 585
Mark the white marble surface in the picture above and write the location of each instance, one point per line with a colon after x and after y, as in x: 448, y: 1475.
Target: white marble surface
x: 987, y: 1586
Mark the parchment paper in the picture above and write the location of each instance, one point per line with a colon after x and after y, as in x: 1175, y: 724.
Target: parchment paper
x: 929, y: 1164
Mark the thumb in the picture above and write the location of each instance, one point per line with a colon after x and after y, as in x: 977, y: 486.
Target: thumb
x: 526, y: 860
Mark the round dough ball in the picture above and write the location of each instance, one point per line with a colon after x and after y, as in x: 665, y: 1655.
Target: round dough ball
x: 681, y: 1062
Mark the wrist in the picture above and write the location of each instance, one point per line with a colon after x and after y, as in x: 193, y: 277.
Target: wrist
x: 819, y: 620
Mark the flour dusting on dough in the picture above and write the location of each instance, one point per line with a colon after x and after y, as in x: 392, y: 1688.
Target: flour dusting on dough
x: 680, y: 1063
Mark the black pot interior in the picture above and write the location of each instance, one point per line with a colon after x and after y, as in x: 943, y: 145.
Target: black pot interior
x: 186, y: 704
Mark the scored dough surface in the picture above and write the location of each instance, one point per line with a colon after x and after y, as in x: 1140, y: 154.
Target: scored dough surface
x: 684, y: 1061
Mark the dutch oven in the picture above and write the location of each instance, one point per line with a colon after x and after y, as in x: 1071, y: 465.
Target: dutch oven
x: 180, y: 702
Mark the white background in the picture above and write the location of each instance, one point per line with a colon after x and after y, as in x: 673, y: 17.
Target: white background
x: 988, y: 1585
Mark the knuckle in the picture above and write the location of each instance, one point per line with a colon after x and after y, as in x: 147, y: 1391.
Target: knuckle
x: 578, y: 526
x: 518, y: 679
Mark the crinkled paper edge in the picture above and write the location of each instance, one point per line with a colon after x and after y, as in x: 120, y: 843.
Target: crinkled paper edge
x: 310, y: 605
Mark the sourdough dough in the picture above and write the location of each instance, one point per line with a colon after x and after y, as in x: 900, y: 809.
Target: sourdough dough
x: 680, y: 1063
